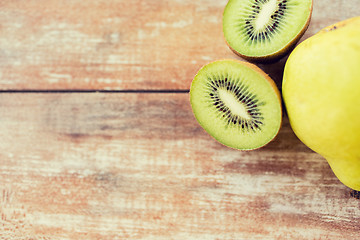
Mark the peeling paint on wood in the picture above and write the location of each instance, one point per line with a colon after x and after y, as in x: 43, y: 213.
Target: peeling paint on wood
x: 137, y: 166
x: 121, y: 44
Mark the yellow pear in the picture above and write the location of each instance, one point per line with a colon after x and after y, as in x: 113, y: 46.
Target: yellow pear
x: 321, y: 91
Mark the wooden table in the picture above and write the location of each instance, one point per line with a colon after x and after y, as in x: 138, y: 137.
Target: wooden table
x: 98, y: 140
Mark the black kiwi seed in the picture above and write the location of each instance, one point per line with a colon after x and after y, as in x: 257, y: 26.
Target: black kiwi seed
x: 244, y: 96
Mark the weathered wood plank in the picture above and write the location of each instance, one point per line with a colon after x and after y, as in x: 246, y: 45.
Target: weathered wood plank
x: 119, y: 44
x: 138, y: 166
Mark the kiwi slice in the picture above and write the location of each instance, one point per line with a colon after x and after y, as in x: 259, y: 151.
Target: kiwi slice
x: 236, y: 103
x: 265, y: 30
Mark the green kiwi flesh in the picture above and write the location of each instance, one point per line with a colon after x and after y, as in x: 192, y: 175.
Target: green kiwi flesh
x: 236, y: 103
x: 265, y: 30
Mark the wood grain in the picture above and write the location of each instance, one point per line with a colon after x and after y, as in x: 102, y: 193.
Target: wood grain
x: 118, y: 44
x: 138, y: 166
x: 133, y: 163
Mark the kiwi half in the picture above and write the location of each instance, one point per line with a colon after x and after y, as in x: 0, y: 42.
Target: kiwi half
x: 265, y: 30
x: 236, y: 103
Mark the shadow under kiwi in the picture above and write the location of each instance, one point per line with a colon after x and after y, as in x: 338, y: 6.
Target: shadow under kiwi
x: 275, y: 70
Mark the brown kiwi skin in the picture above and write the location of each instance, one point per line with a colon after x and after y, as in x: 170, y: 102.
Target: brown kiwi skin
x: 274, y: 87
x: 274, y: 57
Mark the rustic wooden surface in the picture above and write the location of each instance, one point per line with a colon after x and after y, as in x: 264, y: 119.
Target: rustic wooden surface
x: 98, y: 140
x: 118, y: 44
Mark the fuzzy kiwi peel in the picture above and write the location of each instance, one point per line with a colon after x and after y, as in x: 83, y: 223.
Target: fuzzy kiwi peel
x: 236, y: 103
x: 265, y: 30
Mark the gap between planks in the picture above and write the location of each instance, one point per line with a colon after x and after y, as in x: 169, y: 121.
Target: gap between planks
x: 99, y: 91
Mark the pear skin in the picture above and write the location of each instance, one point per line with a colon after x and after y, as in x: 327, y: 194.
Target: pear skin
x: 321, y: 92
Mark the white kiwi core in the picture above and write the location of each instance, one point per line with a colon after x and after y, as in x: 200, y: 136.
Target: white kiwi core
x: 236, y: 107
x: 264, y: 17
